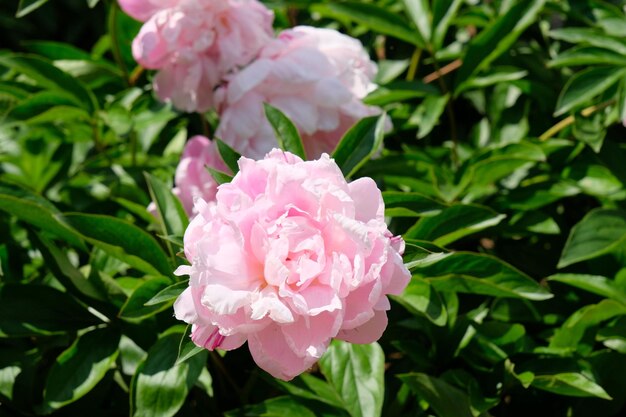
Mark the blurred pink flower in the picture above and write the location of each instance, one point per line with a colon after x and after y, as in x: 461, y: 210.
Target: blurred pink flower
x: 195, y: 43
x: 317, y: 77
x: 142, y: 10
x: 288, y: 257
x: 192, y: 180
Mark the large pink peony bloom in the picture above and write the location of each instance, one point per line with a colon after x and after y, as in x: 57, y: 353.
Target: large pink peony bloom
x: 192, y: 180
x: 195, y: 43
x: 288, y: 257
x: 317, y: 77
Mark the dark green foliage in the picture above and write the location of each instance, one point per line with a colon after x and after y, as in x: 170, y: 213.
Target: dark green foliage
x: 504, y: 171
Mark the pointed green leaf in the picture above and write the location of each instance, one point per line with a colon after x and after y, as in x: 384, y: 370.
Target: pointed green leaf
x: 593, y: 283
x: 419, y: 11
x: 498, y: 37
x: 168, y: 294
x: 285, y: 131
x: 598, y: 233
x: 160, y: 387
x: 171, y: 212
x: 122, y: 240
x: 475, y: 273
x: 585, y: 85
x: 359, y: 144
x: 136, y: 305
x: 27, y: 6
x: 356, y: 373
x: 48, y: 76
x: 229, y: 155
x: 421, y: 298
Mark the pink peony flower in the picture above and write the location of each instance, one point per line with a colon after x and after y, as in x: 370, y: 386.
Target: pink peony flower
x: 288, y: 257
x: 195, y: 43
x: 317, y: 77
x: 192, y: 180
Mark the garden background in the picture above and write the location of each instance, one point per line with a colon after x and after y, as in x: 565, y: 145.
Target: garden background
x: 504, y: 172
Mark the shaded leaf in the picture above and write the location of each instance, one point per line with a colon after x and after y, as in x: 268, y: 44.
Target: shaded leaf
x: 137, y: 304
x: 78, y: 369
x: 445, y: 399
x: 585, y: 85
x: 27, y: 310
x: 122, y: 240
x: 598, y: 233
x: 475, y: 273
x: 377, y: 18
x: 453, y: 223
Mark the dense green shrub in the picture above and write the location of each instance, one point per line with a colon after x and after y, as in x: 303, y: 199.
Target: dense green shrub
x: 504, y: 173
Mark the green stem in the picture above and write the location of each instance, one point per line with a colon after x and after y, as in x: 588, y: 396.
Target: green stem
x: 415, y: 60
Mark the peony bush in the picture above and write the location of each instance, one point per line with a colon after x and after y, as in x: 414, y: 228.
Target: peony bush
x: 321, y: 208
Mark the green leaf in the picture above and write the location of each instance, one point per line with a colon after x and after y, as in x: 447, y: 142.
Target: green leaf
x: 399, y: 91
x: 570, y: 384
x: 497, y: 38
x: 359, y: 144
x: 585, y: 85
x: 219, y: 176
x: 160, y: 387
x: 593, y: 283
x: 428, y: 113
x: 78, y: 369
x: 598, y: 233
x: 376, y: 18
x: 229, y: 155
x: 168, y: 294
x: 589, y: 36
x: 419, y: 11
x: 475, y: 273
x: 71, y: 278
x: 356, y: 373
x: 30, y: 310
x: 569, y: 335
x: 135, y: 307
x: 27, y: 6
x: 122, y: 240
x: 453, y: 223
x: 172, y: 214
x: 444, y: 11
x: 187, y: 348
x: 274, y: 407
x: 496, y: 76
x: 48, y: 76
x: 39, y: 212
x: 285, y: 131
x: 446, y: 400
x: 587, y: 55
x: 421, y: 298
x: 401, y: 204
x: 311, y: 388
